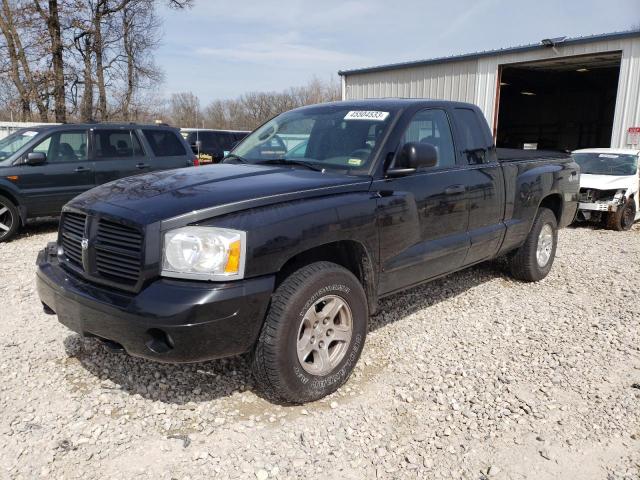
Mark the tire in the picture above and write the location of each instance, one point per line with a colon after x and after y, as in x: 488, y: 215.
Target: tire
x: 524, y: 262
x: 623, y: 219
x: 9, y: 219
x: 296, y: 322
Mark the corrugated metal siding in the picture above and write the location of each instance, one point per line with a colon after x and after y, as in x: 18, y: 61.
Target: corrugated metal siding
x: 476, y: 80
x: 455, y: 81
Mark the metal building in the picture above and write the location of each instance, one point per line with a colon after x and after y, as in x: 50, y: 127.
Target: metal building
x: 562, y: 93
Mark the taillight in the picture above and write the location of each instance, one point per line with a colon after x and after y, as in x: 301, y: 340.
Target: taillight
x: 196, y: 161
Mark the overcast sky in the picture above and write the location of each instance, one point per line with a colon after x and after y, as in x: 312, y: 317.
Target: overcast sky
x: 221, y: 49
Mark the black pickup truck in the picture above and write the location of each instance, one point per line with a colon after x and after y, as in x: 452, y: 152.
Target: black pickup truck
x: 287, y: 258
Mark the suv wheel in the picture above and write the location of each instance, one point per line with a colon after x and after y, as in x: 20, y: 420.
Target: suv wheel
x: 313, y: 334
x: 9, y: 219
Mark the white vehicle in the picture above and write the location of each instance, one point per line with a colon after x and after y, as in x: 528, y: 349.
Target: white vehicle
x: 609, y: 184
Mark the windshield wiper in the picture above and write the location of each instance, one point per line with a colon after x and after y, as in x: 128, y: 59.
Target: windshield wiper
x: 286, y: 161
x: 233, y: 156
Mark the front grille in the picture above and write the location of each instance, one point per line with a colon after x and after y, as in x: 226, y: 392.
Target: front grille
x: 72, y: 232
x: 118, y: 252
x: 591, y: 195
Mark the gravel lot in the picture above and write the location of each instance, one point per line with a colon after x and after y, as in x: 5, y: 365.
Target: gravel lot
x: 474, y: 376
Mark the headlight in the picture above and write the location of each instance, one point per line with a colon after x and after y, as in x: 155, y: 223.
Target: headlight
x: 204, y: 253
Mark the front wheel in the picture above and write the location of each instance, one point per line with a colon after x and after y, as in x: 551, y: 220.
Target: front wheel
x: 533, y: 260
x: 313, y: 334
x: 623, y: 219
x: 9, y: 219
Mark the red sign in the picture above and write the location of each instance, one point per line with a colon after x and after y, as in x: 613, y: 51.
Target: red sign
x: 634, y: 129
x: 633, y: 136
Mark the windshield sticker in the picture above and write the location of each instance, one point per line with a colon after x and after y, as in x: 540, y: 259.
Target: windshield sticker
x: 29, y: 133
x: 608, y: 155
x: 366, y: 115
x: 355, y: 162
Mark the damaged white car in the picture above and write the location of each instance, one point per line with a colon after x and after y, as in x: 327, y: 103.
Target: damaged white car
x: 609, y: 184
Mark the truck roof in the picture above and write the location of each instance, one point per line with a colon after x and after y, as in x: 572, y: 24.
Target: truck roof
x: 394, y: 103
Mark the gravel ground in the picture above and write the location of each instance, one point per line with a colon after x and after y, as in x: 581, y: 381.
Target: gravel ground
x: 474, y: 376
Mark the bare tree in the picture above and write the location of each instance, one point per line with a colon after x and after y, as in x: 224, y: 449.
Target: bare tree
x: 184, y: 108
x: 88, y: 58
x: 52, y: 19
x: 254, y: 108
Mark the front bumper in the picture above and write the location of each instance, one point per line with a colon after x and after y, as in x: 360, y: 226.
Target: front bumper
x: 610, y: 206
x: 172, y: 321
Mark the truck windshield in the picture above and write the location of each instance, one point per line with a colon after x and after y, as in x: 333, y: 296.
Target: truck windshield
x: 606, y: 163
x: 11, y: 144
x: 329, y: 137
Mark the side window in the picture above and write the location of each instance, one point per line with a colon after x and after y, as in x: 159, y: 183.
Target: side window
x: 432, y: 126
x: 227, y: 141
x: 474, y: 142
x: 64, y: 147
x: 117, y: 144
x: 164, y: 143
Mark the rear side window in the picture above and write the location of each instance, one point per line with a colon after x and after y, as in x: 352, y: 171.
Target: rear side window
x: 117, y: 144
x: 472, y: 131
x: 164, y: 143
x: 432, y: 126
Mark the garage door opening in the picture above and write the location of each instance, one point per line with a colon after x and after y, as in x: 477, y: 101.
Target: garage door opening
x: 560, y: 104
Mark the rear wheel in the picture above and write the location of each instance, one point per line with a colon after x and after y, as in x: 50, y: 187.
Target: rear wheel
x: 313, y: 334
x: 623, y: 219
x: 9, y: 219
x: 533, y: 260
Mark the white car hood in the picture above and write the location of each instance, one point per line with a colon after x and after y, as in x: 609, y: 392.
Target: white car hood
x: 608, y: 182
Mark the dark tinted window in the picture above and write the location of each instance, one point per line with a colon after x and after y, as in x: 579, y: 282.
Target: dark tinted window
x: 116, y: 144
x: 164, y: 143
x: 432, y: 126
x: 64, y: 147
x: 239, y: 136
x: 472, y: 131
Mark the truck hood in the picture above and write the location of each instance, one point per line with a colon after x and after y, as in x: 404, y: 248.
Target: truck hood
x: 608, y: 182
x: 164, y: 195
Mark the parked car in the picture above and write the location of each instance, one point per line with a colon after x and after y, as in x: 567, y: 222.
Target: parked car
x: 288, y: 258
x: 212, y: 145
x: 609, y: 185
x: 42, y: 168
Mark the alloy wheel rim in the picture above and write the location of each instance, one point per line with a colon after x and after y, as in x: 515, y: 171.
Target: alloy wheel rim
x: 6, y: 220
x: 324, y: 335
x: 545, y: 246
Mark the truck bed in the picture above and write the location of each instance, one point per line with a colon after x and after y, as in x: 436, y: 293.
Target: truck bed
x: 516, y: 154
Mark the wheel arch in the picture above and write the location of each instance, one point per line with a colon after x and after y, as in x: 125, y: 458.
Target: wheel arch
x: 349, y: 254
x: 553, y: 202
x: 22, y: 211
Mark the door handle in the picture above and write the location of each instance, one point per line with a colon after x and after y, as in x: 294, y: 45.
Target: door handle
x: 142, y: 165
x: 455, y: 189
x: 81, y: 169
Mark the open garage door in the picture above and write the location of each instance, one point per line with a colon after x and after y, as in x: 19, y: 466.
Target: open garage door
x: 560, y: 104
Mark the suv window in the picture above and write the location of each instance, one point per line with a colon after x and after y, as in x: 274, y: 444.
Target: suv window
x: 164, y: 143
x: 432, y: 126
x: 474, y: 144
x: 64, y: 147
x: 117, y: 144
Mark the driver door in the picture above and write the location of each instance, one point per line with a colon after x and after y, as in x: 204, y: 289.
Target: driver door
x: 423, y: 217
x: 66, y: 173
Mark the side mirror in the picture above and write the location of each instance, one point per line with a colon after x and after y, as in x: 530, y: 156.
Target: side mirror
x: 412, y: 156
x: 36, y: 158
